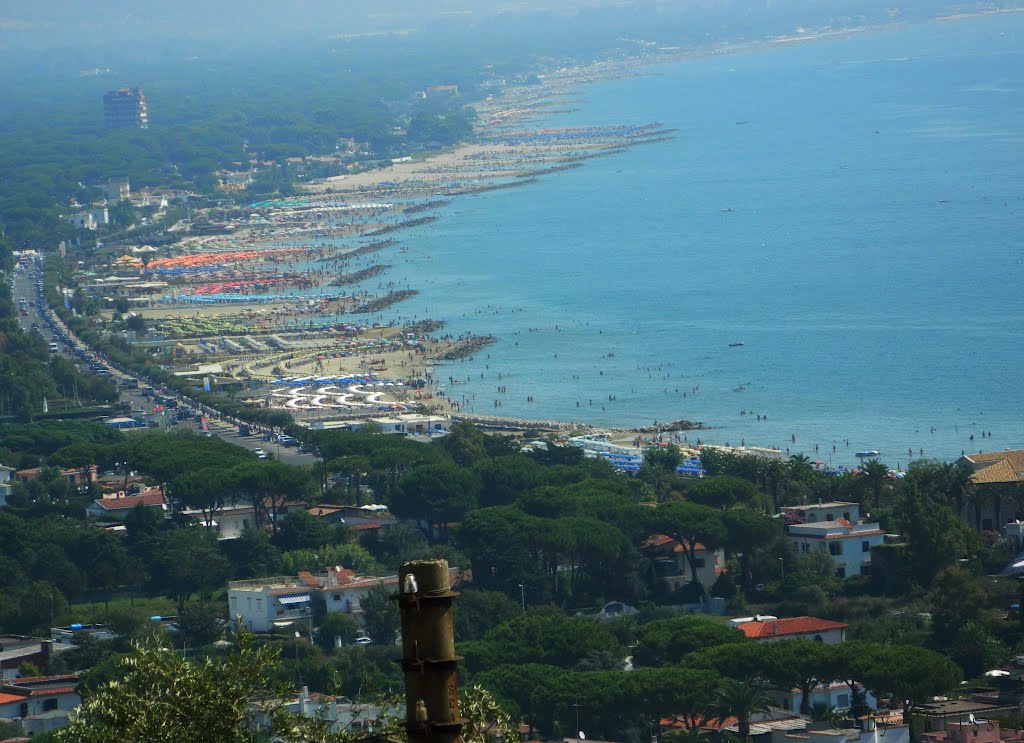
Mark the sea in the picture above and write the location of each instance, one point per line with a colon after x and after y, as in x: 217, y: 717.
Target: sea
x: 850, y: 210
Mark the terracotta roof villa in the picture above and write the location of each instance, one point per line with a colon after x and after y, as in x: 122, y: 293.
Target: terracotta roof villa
x: 792, y: 628
x: 995, y: 467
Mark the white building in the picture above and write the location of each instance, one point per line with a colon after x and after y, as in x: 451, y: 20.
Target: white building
x: 819, y: 511
x: 229, y: 521
x: 672, y: 567
x: 260, y: 604
x: 836, y: 528
x: 40, y: 703
x: 118, y: 188
x: 835, y: 695
x: 6, y: 475
x: 870, y: 732
x: 90, y: 219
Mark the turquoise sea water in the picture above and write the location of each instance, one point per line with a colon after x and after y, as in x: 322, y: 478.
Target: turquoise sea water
x: 872, y: 262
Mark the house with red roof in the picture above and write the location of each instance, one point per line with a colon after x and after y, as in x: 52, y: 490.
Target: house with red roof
x: 835, y: 528
x: 764, y: 726
x: 997, y: 473
x: 75, y: 477
x: 673, y: 569
x: 39, y: 703
x: 118, y: 505
x: 769, y: 629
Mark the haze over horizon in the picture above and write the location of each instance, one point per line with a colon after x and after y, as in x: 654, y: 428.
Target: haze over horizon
x: 59, y: 23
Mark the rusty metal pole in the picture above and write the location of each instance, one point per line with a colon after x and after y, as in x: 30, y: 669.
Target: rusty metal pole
x: 428, y: 653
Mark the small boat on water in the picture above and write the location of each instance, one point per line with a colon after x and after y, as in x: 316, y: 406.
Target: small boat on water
x: 866, y: 454
x: 734, y: 344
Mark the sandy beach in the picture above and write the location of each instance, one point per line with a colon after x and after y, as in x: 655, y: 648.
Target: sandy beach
x: 351, y: 225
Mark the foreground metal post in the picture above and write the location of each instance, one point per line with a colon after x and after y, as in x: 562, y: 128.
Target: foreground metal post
x: 428, y: 653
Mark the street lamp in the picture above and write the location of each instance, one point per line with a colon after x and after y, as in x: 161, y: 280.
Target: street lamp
x: 522, y: 596
x: 782, y: 567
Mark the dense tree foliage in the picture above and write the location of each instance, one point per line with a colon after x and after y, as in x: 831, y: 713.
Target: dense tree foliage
x: 547, y: 538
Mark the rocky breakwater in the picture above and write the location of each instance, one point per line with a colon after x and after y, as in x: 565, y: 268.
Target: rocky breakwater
x: 679, y: 425
x: 465, y: 347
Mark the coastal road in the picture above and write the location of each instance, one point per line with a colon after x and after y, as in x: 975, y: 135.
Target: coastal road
x: 24, y: 286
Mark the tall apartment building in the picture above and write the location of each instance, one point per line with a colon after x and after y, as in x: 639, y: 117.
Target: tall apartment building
x: 125, y: 108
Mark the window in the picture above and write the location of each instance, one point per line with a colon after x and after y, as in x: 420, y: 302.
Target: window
x: 805, y: 547
x: 23, y: 709
x: 835, y: 548
x: 841, y: 572
x: 336, y: 597
x: 828, y: 517
x: 49, y: 705
x: 865, y: 546
x: 699, y: 562
x: 843, y: 701
x: 846, y: 515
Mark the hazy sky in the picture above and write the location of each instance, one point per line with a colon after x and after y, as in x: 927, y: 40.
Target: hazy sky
x: 52, y: 24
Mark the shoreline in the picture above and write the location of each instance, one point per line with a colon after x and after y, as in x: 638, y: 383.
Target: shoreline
x: 426, y: 173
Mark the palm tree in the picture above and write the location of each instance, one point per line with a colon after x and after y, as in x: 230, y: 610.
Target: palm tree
x: 958, y: 485
x: 742, y: 700
x: 800, y: 468
x: 875, y: 476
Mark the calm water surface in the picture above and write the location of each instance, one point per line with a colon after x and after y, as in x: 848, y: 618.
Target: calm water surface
x: 872, y: 263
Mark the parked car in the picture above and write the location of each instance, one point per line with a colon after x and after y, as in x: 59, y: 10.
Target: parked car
x: 364, y: 640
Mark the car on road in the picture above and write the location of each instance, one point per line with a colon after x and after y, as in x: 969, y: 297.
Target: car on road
x: 284, y: 440
x: 260, y: 454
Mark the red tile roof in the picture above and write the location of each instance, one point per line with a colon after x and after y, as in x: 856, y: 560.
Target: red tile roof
x: 785, y: 627
x: 657, y: 540
x: 48, y: 691
x: 995, y: 467
x: 116, y: 504
x: 7, y: 698
x: 660, y: 540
